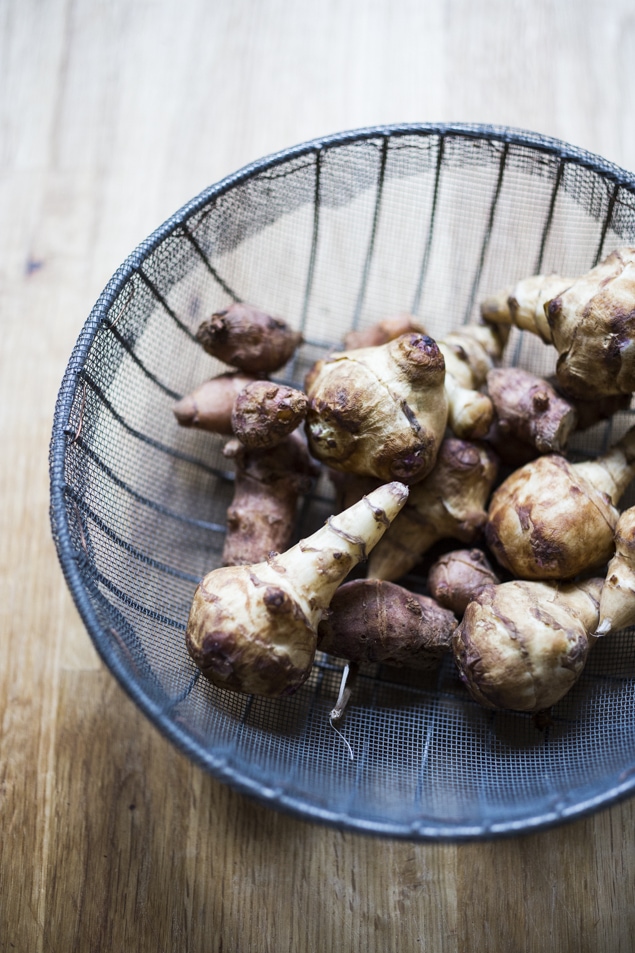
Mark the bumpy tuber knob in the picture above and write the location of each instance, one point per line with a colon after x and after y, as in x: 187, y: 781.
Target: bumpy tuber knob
x: 379, y: 411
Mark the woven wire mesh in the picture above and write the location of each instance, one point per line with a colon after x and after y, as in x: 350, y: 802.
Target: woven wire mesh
x: 331, y: 235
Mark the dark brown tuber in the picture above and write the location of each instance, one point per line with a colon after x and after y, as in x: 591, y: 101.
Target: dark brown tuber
x: 262, y: 515
x: 247, y: 338
x: 264, y: 413
x: 529, y: 412
x: 210, y: 406
x: 371, y: 620
x: 458, y: 577
x: 383, y: 331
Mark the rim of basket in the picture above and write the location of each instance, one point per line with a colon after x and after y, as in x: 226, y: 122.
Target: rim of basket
x: 216, y: 762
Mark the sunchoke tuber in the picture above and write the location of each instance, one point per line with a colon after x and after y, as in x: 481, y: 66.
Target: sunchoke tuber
x: 379, y: 411
x: 248, y: 339
x: 448, y: 504
x: 210, y: 406
x: 371, y: 620
x: 264, y: 413
x: 529, y: 412
x: 552, y: 519
x: 253, y: 628
x: 522, y: 645
x: 383, y: 331
x: 590, y: 320
x: 262, y: 515
x: 617, y: 602
x: 457, y: 577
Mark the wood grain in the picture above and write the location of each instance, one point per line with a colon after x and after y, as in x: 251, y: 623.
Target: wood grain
x: 112, y: 114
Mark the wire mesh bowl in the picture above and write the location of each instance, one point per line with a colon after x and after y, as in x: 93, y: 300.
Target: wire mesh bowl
x: 331, y: 235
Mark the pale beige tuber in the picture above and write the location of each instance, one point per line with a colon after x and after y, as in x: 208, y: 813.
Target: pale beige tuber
x: 469, y: 354
x: 552, y: 519
x: 253, y: 628
x: 268, y: 484
x: 523, y: 645
x: 264, y: 413
x: 379, y: 411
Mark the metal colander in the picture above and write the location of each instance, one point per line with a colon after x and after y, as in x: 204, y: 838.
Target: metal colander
x: 331, y: 235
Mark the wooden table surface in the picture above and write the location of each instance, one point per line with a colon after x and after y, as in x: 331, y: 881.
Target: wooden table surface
x: 112, y: 114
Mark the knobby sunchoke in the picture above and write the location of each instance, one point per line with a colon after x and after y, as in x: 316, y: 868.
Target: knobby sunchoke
x: 457, y: 577
x: 253, y: 628
x: 528, y: 411
x: 522, y: 645
x: 379, y: 411
x: 590, y: 321
x: 552, y: 519
x: 262, y: 515
x: 248, y: 339
x: 384, y: 331
x: 371, y: 620
x: 617, y: 602
x: 210, y: 406
x: 265, y: 413
x: 448, y: 504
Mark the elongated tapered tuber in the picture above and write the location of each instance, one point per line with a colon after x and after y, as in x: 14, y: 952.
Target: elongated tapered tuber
x: 589, y: 320
x: 253, y: 628
x: 457, y: 577
x: 210, y: 406
x: 262, y: 515
x: 552, y: 519
x: 448, y: 504
x: 247, y: 338
x: 529, y: 411
x: 523, y: 304
x: 617, y: 602
x: 383, y: 331
x: 264, y: 413
x: 522, y: 645
x: 371, y: 620
x: 379, y: 411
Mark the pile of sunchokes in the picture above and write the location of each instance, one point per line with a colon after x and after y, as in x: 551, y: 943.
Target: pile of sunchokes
x: 415, y: 433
